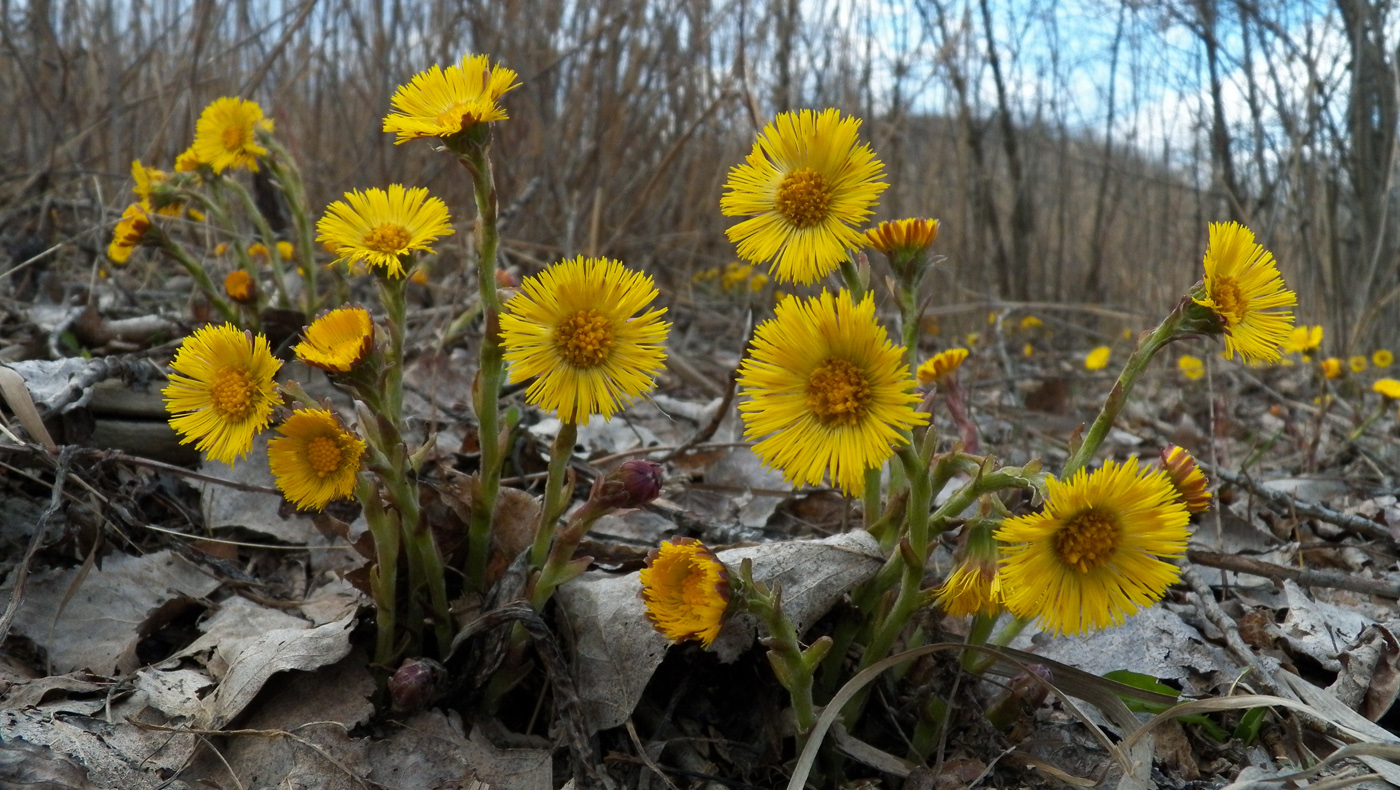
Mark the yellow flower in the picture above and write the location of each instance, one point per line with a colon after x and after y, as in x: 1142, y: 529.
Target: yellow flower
x: 221, y: 393
x: 758, y: 282
x: 257, y: 250
x: 225, y: 136
x: 1244, y: 290
x: 735, y: 275
x: 828, y: 389
x: 1388, y: 388
x: 942, y: 364
x: 1027, y: 350
x: 1331, y: 368
x: 338, y: 341
x: 806, y: 182
x: 1382, y: 358
x: 970, y: 588
x: 129, y: 233
x: 1098, y: 358
x: 904, y: 242
x: 314, y: 460
x: 377, y: 228
x: 1303, y: 339
x: 441, y: 103
x: 1095, y: 554
x: 188, y: 161
x: 686, y: 590
x: 1357, y: 364
x: 576, y: 327
x: 1031, y: 322
x: 1193, y: 368
x: 240, y: 287
x: 148, y: 189
x: 285, y: 250
x: 972, y: 338
x: 1187, y: 478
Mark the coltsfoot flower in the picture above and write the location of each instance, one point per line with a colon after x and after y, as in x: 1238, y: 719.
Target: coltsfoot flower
x: 1097, y: 552
x: 221, y: 393
x: 1193, y: 368
x: 1187, y: 478
x: 807, y: 181
x: 1245, y: 291
x: 338, y: 341
x: 1098, y: 358
x: 226, y: 135
x: 826, y: 391
x: 686, y: 590
x: 442, y: 102
x: 584, y: 330
x: 941, y: 365
x: 314, y: 460
x: 377, y: 228
x: 240, y: 287
x: 129, y: 233
x: 971, y: 588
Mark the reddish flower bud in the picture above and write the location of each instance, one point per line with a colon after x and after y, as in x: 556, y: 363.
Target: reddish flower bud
x: 416, y: 683
x: 631, y: 485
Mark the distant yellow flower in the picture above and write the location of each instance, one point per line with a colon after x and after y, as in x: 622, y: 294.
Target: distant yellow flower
x: 826, y: 391
x: 942, y: 364
x: 130, y: 233
x: 1187, y: 478
x: 806, y: 182
x: 1244, y: 290
x: 735, y: 275
x: 1127, y: 333
x: 575, y: 328
x: 1097, y: 552
x: 1191, y: 367
x: 1388, y: 388
x: 1382, y: 358
x: 338, y: 341
x: 221, y: 393
x: 442, y: 102
x: 420, y: 275
x: 686, y: 591
x: 226, y: 135
x: 1098, y: 358
x: 758, y: 282
x: 1357, y: 364
x: 972, y: 338
x: 240, y: 287
x: 1331, y: 368
x: 314, y: 460
x: 1031, y: 322
x: 378, y: 228
x: 1027, y: 350
x: 1303, y: 339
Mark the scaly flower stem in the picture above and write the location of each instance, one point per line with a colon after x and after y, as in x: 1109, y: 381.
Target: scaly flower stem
x: 912, y: 316
x: 384, y: 576
x: 201, y: 278
x: 476, y: 157
x: 284, y: 167
x: 553, y: 506
x: 1118, y: 396
x: 851, y: 275
x: 870, y: 497
x: 269, y: 240
x: 793, y: 666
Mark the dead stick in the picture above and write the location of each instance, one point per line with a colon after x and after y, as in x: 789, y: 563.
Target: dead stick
x: 1289, y: 505
x: 1311, y: 578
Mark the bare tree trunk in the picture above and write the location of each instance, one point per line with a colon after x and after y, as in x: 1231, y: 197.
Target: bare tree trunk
x: 1094, y: 286
x: 1221, y: 157
x: 1022, y: 209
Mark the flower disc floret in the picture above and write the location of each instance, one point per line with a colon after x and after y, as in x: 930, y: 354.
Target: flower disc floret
x: 686, y: 591
x: 338, y: 341
x: 442, y: 102
x: 314, y: 460
x: 1245, y: 291
x: 221, y: 393
x: 225, y: 136
x: 377, y: 227
x: 584, y: 330
x: 804, y: 186
x: 1098, y: 550
x: 826, y: 391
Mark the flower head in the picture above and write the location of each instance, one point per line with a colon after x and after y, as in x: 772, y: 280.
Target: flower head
x: 576, y: 326
x: 377, y: 228
x: 188, y: 161
x: 1387, y: 388
x: 1098, y: 358
x: 130, y: 232
x: 240, y: 287
x: 904, y: 242
x: 970, y: 588
x: 1030, y: 322
x: 441, y: 103
x: 1095, y: 554
x: 1382, y: 358
x: 1193, y: 368
x: 1303, y: 339
x: 152, y: 189
x: 828, y: 390
x: 1187, y: 478
x: 806, y: 182
x: 314, y: 460
x: 1244, y: 290
x: 1357, y: 364
x: 221, y: 393
x: 338, y: 341
x: 225, y: 136
x: 686, y: 590
x: 941, y: 365
x: 1332, y: 368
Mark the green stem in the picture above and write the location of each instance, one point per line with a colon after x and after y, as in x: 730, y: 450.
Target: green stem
x: 870, y: 497
x: 1118, y: 396
x: 383, y: 578
x: 851, y: 275
x: 491, y: 371
x: 793, y: 666
x: 201, y: 278
x: 911, y: 315
x: 553, y: 507
x: 268, y: 239
x: 284, y: 167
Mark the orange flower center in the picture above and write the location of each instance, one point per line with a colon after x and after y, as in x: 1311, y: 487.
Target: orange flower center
x: 838, y: 393
x: 388, y: 237
x: 231, y: 394
x: 236, y: 136
x: 584, y: 338
x: 1087, y: 540
x: 804, y: 198
x: 1230, y: 300
x: 324, y: 455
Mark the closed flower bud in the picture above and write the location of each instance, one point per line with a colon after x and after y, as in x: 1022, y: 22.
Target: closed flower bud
x: 631, y: 485
x: 1187, y: 478
x: 416, y: 683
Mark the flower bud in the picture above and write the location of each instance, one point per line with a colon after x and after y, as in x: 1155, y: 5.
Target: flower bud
x: 416, y: 683
x: 631, y: 485
x: 1187, y: 478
